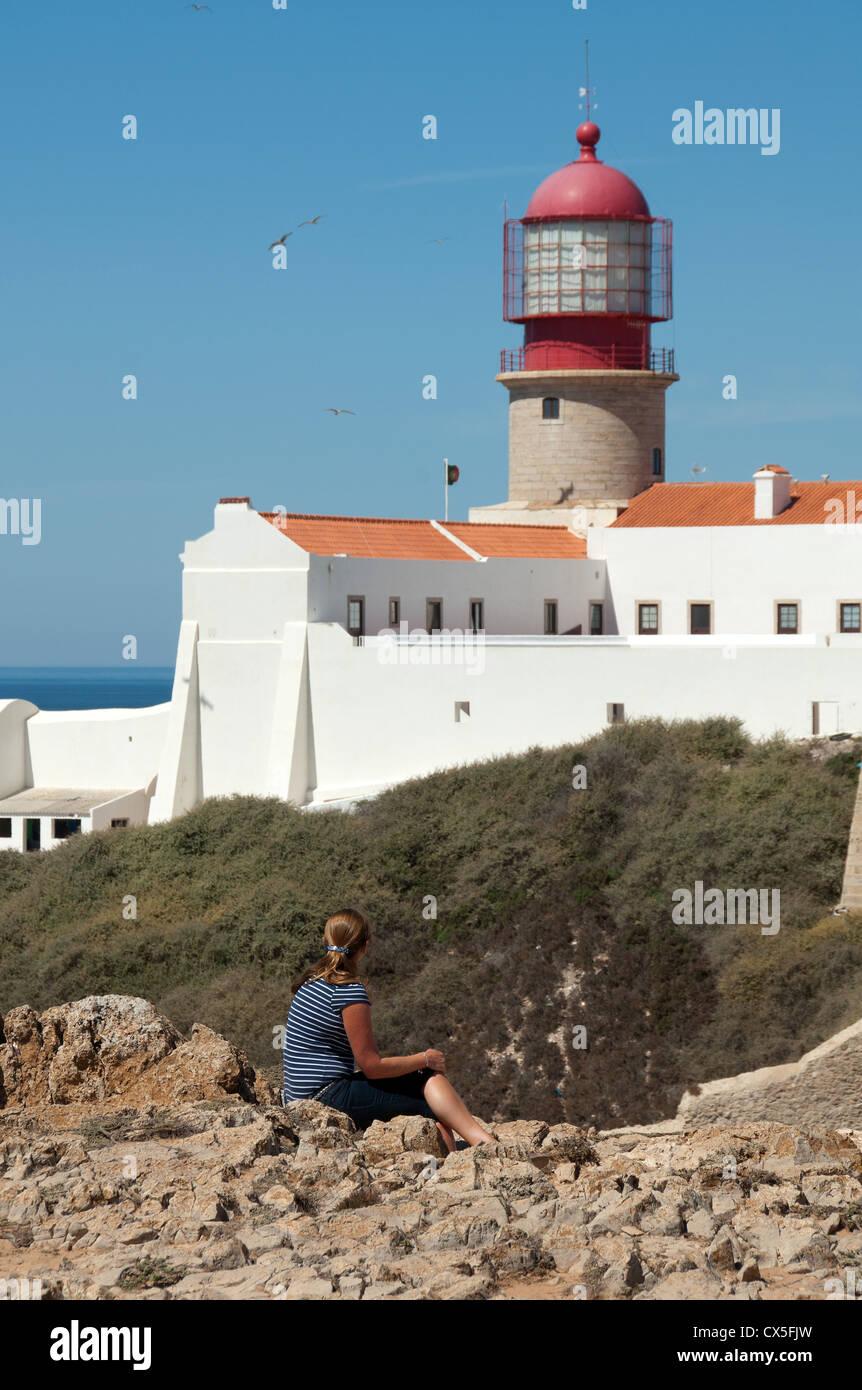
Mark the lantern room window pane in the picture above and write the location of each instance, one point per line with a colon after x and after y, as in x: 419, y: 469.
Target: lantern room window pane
x: 582, y: 266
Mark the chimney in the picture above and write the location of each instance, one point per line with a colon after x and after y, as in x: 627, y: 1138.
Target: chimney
x: 231, y: 509
x: 771, y: 491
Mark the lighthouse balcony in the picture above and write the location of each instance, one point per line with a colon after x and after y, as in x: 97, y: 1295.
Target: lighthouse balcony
x: 544, y: 357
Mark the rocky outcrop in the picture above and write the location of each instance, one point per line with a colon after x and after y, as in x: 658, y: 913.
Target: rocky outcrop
x: 110, y: 1047
x: 823, y: 1087
x: 120, y: 1180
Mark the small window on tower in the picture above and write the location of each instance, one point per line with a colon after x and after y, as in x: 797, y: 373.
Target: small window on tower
x: 551, y: 626
x: 657, y: 463
x: 551, y: 408
x: 394, y: 612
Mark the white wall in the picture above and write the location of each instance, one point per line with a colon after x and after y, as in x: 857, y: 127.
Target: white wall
x: 14, y: 755
x: 132, y: 807
x: 244, y: 579
x: 102, y: 748
x: 743, y: 570
x: 513, y: 590
x: 376, y: 724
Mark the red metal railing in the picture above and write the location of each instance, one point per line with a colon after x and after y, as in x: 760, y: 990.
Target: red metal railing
x: 565, y: 357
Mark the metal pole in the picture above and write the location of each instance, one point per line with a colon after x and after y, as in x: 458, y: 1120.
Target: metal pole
x: 445, y: 489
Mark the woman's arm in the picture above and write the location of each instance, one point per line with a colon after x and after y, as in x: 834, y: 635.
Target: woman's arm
x: 360, y: 1035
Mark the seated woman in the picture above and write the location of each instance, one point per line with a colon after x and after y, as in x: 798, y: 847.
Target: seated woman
x: 329, y: 1035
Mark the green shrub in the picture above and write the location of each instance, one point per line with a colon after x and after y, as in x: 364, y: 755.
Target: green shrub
x: 553, y: 911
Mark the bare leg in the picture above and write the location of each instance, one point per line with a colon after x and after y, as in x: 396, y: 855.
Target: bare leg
x: 447, y: 1136
x: 452, y: 1112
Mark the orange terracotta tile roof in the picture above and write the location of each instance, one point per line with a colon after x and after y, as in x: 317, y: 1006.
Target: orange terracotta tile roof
x: 732, y: 504
x: 519, y: 542
x: 371, y: 537
x: 383, y: 538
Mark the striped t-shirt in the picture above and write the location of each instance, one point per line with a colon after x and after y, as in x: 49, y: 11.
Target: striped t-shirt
x: 316, y: 1047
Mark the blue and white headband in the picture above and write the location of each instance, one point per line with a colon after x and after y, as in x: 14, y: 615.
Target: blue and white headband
x: 342, y: 950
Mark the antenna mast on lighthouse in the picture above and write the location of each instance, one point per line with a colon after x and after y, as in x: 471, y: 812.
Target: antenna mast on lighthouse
x: 587, y: 91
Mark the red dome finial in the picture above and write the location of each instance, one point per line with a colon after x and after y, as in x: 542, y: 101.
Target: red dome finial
x: 588, y: 136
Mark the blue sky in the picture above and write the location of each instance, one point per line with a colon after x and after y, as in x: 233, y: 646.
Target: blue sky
x: 150, y: 257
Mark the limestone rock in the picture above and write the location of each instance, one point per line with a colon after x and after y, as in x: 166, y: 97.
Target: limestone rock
x: 136, y: 1164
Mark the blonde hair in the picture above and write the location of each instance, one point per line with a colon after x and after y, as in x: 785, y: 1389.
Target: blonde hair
x: 348, y: 929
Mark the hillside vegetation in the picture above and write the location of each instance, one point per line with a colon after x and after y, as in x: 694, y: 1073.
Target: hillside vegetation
x: 553, y: 911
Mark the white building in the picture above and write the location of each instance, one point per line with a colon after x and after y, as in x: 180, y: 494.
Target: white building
x: 321, y: 659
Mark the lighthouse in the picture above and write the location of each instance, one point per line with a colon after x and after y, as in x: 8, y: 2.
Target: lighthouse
x: 587, y: 270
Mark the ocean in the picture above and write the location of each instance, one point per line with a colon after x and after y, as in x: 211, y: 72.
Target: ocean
x: 87, y: 687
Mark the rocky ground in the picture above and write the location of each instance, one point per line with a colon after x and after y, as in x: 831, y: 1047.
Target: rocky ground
x: 138, y: 1164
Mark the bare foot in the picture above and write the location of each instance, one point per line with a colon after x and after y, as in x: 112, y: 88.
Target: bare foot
x: 447, y: 1136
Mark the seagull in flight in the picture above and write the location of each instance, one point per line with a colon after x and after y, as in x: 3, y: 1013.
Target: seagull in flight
x: 280, y: 242
x: 313, y: 221
x: 331, y: 409
x: 198, y: 7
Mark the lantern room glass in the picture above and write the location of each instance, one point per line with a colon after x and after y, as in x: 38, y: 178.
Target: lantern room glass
x: 588, y: 266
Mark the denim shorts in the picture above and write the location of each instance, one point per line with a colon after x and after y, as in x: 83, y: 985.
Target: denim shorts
x: 365, y: 1101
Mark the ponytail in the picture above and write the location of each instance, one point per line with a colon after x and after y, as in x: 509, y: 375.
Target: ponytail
x: 345, y: 934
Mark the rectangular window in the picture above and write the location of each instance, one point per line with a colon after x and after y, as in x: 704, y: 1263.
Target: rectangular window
x: 119, y: 824
x: 5, y: 827
x: 787, y: 618
x: 394, y: 612
x: 851, y: 617
x: 64, y: 828
x: 477, y: 615
x: 700, y: 619
x: 433, y: 614
x: 648, y: 619
x: 616, y: 714
x: 597, y: 619
x: 656, y: 463
x: 551, y: 617
x: 356, y: 615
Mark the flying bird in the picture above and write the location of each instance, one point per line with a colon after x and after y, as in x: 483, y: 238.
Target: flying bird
x: 280, y: 242
x: 331, y: 409
x: 313, y: 221
x: 198, y: 7
x: 698, y: 468
x: 438, y: 240
x: 565, y: 494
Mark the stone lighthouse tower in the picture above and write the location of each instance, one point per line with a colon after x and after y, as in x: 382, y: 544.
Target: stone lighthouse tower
x: 587, y: 271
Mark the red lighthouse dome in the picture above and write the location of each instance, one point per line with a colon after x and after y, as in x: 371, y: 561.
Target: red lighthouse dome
x: 587, y: 188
